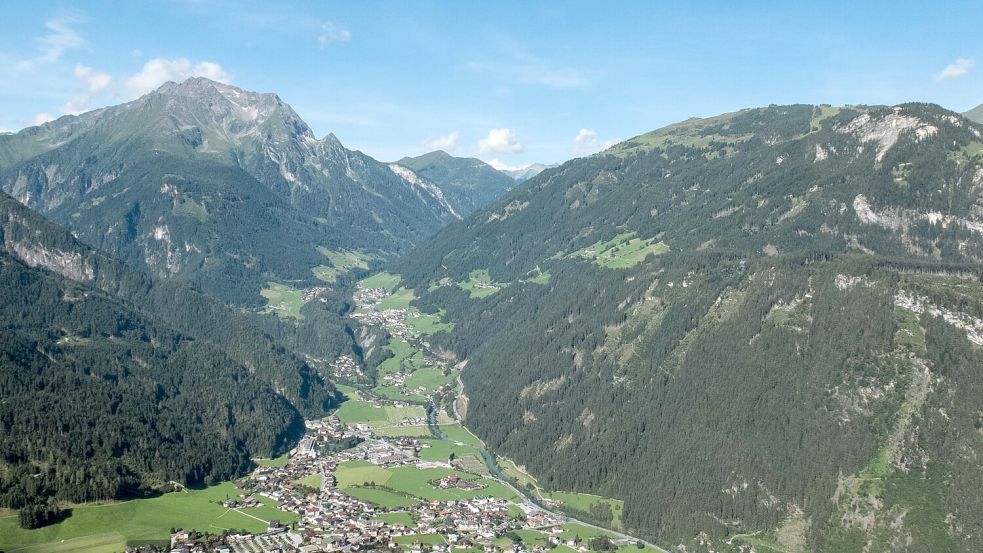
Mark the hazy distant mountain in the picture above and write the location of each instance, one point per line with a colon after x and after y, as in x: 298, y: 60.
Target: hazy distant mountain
x: 975, y: 114
x: 215, y: 185
x: 526, y: 172
x: 767, y: 323
x: 467, y: 183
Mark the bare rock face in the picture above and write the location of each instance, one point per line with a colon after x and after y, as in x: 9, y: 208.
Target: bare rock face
x: 70, y: 265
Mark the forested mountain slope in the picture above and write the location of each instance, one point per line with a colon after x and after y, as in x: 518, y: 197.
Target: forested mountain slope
x: 763, y: 327
x: 216, y: 186
x: 37, y: 242
x: 103, y: 399
x: 467, y: 183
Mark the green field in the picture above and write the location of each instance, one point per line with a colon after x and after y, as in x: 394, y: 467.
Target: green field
x: 311, y: 481
x: 426, y: 323
x: 512, y: 470
x: 359, y: 473
x: 384, y: 280
x: 621, y: 252
x: 531, y: 538
x: 584, y: 502
x: 342, y: 261
x: 138, y: 521
x: 283, y: 300
x: 355, y: 411
x: 480, y: 285
x: 381, y: 497
x: 413, y: 431
x: 396, y: 517
x: 399, y: 299
x: 354, y: 476
x: 421, y: 380
x: 430, y: 539
x: 440, y: 450
x: 573, y: 530
x: 280, y: 461
x: 540, y: 277
x: 361, y: 411
x: 396, y: 483
x: 457, y: 433
x: 416, y: 482
x: 406, y: 358
x: 429, y: 379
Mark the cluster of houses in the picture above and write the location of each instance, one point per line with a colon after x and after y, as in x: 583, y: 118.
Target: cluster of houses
x: 276, y: 539
x: 330, y: 520
x: 310, y: 293
x: 455, y: 481
x: 369, y: 296
x: 393, y: 320
x: 345, y: 368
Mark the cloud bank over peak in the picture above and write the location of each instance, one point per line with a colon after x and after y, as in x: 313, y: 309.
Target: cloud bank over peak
x: 160, y: 70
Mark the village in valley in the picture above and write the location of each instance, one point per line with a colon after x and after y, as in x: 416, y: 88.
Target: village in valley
x: 392, y: 469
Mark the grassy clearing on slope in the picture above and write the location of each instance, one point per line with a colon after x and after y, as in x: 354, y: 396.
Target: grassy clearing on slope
x: 427, y: 323
x: 691, y: 133
x: 480, y: 285
x: 283, y: 300
x: 621, y: 252
x: 406, y: 358
x: 540, y: 277
x: 141, y: 521
x: 342, y: 261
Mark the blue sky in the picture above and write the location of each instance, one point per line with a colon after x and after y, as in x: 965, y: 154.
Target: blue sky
x: 515, y: 82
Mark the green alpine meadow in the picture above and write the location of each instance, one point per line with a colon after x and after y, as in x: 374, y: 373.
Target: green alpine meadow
x: 491, y: 277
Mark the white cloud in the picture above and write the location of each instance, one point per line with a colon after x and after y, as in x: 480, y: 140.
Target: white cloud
x: 95, y: 83
x: 40, y: 119
x: 588, y: 142
x: 332, y: 32
x: 160, y: 70
x: 958, y: 68
x: 52, y: 45
x: 446, y: 143
x: 500, y: 141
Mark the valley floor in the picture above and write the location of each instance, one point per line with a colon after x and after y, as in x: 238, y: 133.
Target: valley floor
x: 415, y: 479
